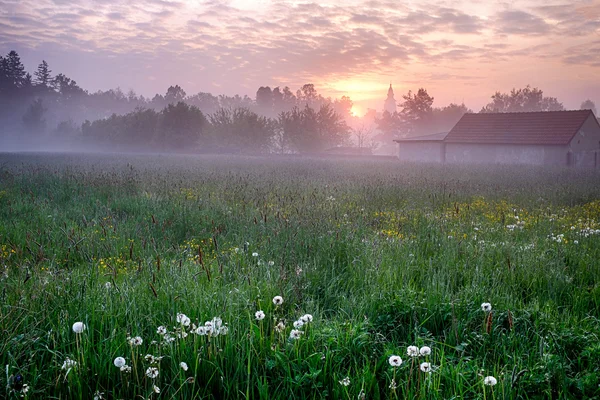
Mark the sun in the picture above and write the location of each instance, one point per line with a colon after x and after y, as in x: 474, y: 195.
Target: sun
x: 355, y: 111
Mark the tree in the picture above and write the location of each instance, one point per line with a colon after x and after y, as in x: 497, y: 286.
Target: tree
x: 174, y: 94
x: 43, y: 75
x: 33, y: 119
x: 589, y: 105
x: 416, y: 111
x: 308, y: 130
x: 241, y: 130
x: 522, y: 100
x: 182, y: 126
x: 264, y: 100
x: 445, y: 118
x: 390, y: 125
x: 15, y: 70
x: 67, y: 87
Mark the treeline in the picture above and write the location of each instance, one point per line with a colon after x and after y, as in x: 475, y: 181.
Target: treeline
x: 181, y: 127
x: 45, y: 107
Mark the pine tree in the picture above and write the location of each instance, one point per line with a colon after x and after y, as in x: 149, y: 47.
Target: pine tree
x: 15, y: 69
x: 43, y: 75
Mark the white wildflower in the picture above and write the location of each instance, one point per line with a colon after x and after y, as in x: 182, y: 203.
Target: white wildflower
x: 254, y: 254
x: 152, y: 372
x: 136, y: 341
x: 126, y: 369
x: 306, y: 318
x: 489, y: 381
x: 295, y: 334
x: 298, y: 324
x: 161, y: 330
x: 119, y: 362
x: 259, y: 315
x: 183, y: 319
x: 345, y: 381
x: 487, y: 307
x: 412, y: 351
x: 78, y: 327
x: 277, y: 300
x: 395, y: 361
x: 68, y: 364
x: 425, y: 351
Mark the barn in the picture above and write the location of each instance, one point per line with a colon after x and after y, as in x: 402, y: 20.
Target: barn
x: 541, y: 138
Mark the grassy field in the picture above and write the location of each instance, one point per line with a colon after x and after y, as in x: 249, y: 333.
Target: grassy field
x: 167, y: 260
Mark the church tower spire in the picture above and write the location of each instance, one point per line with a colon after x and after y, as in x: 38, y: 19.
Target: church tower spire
x: 390, y: 101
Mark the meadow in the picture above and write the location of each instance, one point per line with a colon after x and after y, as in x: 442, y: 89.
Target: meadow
x: 221, y: 277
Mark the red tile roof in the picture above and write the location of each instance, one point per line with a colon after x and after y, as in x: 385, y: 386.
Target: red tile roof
x: 552, y: 127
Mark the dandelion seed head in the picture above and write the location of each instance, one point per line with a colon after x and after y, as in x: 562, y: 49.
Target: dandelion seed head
x: 183, y: 366
x: 487, y: 307
x: 156, y: 389
x: 490, y: 381
x: 395, y: 361
x: 298, y: 324
x: 183, y: 319
x: 78, y: 327
x: 136, y: 341
x: 254, y: 254
x: 152, y: 372
x: 425, y: 367
x: 345, y: 381
x: 412, y: 351
x: 425, y: 351
x: 259, y: 315
x: 306, y: 318
x: 126, y: 369
x: 295, y: 334
x: 161, y: 330
x: 277, y: 300
x: 119, y: 362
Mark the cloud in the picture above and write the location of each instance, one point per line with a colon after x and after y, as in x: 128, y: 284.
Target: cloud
x: 521, y: 23
x: 233, y: 43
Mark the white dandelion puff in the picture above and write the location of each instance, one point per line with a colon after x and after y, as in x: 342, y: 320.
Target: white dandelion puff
x: 278, y: 300
x: 119, y: 362
x: 136, y: 341
x: 487, y: 307
x: 78, y: 327
x: 412, y: 351
x: 161, y: 330
x: 152, y: 372
x: 183, y: 319
x: 425, y: 350
x: 425, y: 367
x: 259, y: 315
x: 156, y: 389
x: 298, y: 324
x: 490, y: 381
x: 295, y: 334
x: 183, y: 366
x: 126, y: 369
x: 306, y: 318
x: 395, y: 361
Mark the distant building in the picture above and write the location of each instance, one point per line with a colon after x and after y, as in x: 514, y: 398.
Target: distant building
x: 390, y: 101
x: 541, y: 138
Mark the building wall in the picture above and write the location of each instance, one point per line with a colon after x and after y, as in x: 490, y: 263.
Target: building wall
x: 421, y: 151
x: 506, y: 154
x: 585, y: 146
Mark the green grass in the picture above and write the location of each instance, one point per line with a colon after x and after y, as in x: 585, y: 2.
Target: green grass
x: 384, y: 255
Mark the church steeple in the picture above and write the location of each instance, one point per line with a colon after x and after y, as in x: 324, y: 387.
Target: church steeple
x: 390, y: 102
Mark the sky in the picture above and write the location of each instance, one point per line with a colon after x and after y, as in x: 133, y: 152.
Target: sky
x: 460, y: 51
